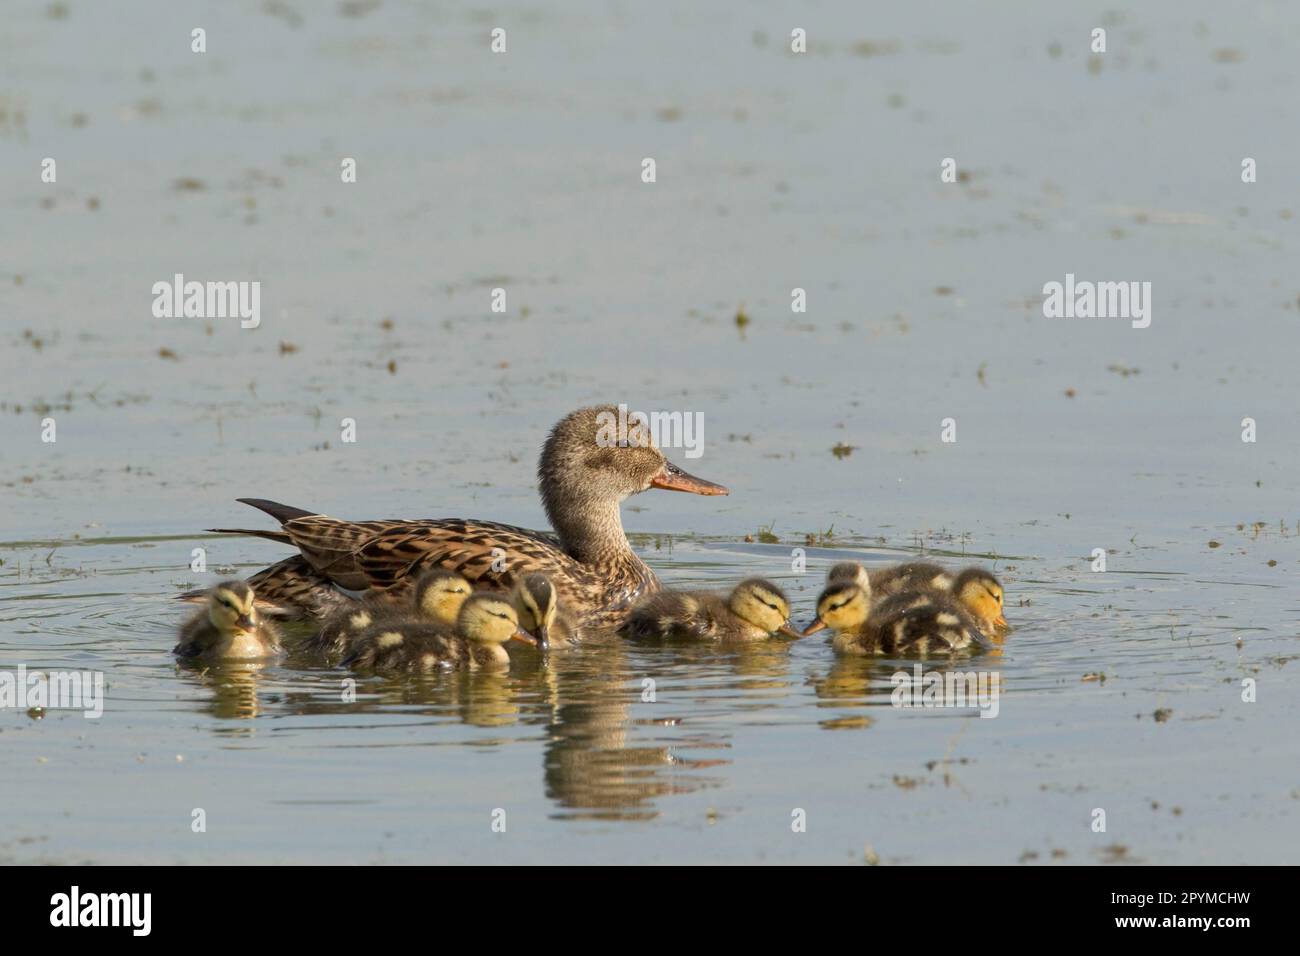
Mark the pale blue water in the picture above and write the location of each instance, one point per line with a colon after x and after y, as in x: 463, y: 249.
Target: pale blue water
x: 774, y: 171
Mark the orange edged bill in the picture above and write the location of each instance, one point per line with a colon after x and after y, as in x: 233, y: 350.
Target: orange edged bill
x: 672, y: 478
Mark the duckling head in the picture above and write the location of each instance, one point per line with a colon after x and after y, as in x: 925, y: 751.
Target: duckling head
x: 849, y: 572
x: 762, y: 604
x: 537, y: 603
x: 841, y: 607
x: 595, y: 457
x: 230, y: 607
x: 981, y: 594
x: 440, y: 594
x: 489, y: 618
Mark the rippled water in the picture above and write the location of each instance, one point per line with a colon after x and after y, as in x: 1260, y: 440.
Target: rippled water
x: 586, y: 769
x: 774, y: 172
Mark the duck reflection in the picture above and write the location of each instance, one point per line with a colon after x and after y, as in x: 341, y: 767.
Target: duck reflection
x: 861, y: 682
x: 233, y: 684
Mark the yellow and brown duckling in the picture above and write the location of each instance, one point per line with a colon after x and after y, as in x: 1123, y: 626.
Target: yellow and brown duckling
x: 229, y: 627
x: 486, y: 622
x: 437, y: 600
x: 755, y: 610
x: 537, y: 602
x: 976, y: 590
x: 982, y: 594
x: 917, y: 622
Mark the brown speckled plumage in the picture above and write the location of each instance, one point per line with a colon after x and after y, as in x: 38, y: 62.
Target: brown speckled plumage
x: 598, y: 576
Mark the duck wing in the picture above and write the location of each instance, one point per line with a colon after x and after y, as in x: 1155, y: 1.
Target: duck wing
x: 484, y: 552
x: 358, y: 555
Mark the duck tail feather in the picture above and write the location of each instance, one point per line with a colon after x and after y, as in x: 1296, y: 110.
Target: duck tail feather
x: 279, y: 512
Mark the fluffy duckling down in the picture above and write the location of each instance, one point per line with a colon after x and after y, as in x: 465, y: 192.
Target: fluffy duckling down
x: 537, y: 602
x: 978, y: 591
x: 228, y: 627
x: 486, y: 622
x: 920, y: 622
x: 437, y: 600
x: 755, y: 610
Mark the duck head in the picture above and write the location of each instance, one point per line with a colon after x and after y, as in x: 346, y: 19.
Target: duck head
x: 843, y: 606
x: 762, y: 604
x: 440, y: 594
x: 490, y: 618
x: 981, y: 594
x: 849, y: 572
x: 230, y: 608
x: 589, y: 465
x: 537, y: 603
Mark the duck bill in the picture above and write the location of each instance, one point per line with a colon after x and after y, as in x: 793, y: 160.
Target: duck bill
x: 672, y: 478
x: 1001, y: 621
x: 788, y: 631
x: 523, y: 637
x: 245, y: 623
x: 543, y: 637
x: 814, y: 627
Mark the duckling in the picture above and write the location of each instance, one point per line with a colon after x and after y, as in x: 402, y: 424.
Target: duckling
x: 537, y: 602
x: 975, y: 589
x: 756, y: 609
x: 885, y: 583
x: 917, y: 622
x: 228, y: 627
x: 487, y: 620
x: 980, y: 593
x: 437, y: 600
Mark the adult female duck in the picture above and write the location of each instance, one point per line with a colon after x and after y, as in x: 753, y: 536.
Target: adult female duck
x: 583, y: 478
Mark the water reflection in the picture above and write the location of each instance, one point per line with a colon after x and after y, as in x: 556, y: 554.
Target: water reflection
x: 595, y: 764
x: 233, y: 686
x: 857, y: 682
